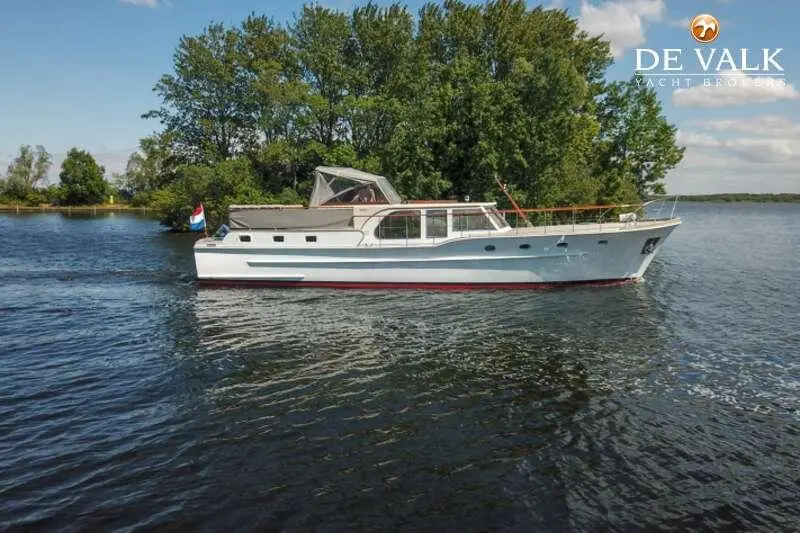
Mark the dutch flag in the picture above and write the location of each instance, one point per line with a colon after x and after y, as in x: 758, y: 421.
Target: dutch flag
x: 197, y: 221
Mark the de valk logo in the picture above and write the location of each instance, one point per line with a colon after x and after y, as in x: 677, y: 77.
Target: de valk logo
x: 704, y: 28
x: 706, y: 60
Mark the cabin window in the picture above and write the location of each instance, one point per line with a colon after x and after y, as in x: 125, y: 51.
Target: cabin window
x: 470, y: 220
x: 524, y: 246
x: 244, y: 238
x: 406, y: 224
x: 436, y: 223
x: 602, y: 242
x: 277, y: 238
x: 489, y: 248
x: 562, y: 245
x: 311, y: 238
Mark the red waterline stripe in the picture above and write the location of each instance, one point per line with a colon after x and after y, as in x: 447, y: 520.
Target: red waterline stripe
x: 407, y: 286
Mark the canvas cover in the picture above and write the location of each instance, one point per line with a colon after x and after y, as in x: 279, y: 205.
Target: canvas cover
x: 333, y: 186
x: 340, y: 185
x: 288, y: 217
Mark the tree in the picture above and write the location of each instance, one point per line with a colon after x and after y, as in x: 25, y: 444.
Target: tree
x: 379, y: 71
x: 82, y: 179
x: 206, y: 104
x: 636, y: 146
x: 151, y: 167
x: 216, y: 186
x: 276, y: 91
x: 441, y: 103
x: 321, y: 36
x: 26, y: 171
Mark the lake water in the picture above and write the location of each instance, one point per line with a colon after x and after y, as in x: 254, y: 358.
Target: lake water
x: 132, y: 400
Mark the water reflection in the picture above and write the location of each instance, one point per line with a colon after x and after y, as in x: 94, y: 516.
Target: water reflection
x: 485, y: 334
x: 412, y: 393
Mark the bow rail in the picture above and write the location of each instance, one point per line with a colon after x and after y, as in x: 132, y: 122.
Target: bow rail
x: 656, y: 209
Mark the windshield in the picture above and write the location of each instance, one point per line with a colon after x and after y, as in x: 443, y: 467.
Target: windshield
x: 339, y: 185
x: 496, y: 217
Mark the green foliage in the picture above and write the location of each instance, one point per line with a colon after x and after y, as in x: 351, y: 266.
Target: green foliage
x: 216, y: 187
x: 441, y: 103
x: 24, y: 174
x: 153, y: 166
x: 82, y: 180
x: 637, y: 144
x: 53, y: 194
x: 289, y: 196
x: 207, y: 104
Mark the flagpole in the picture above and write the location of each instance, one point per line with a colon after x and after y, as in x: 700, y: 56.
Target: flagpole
x: 205, y: 221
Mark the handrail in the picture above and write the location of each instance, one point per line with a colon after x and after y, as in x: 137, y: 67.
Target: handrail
x: 575, y: 208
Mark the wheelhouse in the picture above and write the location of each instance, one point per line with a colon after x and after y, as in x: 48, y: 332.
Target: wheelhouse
x: 435, y: 222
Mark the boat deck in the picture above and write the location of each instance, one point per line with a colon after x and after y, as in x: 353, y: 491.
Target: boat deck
x: 592, y: 227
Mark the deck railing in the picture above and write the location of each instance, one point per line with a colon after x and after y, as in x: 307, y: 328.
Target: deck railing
x: 546, y: 217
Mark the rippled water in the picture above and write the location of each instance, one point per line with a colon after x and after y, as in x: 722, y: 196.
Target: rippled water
x: 130, y: 399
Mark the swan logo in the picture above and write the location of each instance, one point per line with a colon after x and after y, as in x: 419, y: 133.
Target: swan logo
x: 704, y: 28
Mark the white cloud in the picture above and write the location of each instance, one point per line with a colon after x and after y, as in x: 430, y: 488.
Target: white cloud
x: 143, y: 3
x: 767, y: 138
x: 709, y: 172
x: 621, y: 22
x: 681, y: 23
x: 764, y: 159
x: 762, y: 125
x: 734, y: 88
x: 748, y: 149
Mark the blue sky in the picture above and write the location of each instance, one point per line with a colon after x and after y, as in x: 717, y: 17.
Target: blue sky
x: 80, y: 73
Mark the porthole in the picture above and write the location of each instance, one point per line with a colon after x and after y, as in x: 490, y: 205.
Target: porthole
x: 562, y: 245
x: 244, y: 238
x: 602, y: 242
x: 524, y: 246
x: 489, y: 248
x: 277, y: 238
x: 311, y: 238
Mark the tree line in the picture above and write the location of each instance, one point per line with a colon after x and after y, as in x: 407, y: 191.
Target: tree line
x: 440, y: 102
x: 81, y: 180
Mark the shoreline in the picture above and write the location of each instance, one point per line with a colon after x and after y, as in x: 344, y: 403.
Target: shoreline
x: 13, y: 208
x: 763, y: 198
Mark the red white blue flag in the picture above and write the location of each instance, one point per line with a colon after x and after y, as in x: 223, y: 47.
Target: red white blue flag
x: 197, y: 221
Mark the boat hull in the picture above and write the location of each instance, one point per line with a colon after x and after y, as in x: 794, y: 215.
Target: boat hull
x: 405, y: 286
x: 518, y: 259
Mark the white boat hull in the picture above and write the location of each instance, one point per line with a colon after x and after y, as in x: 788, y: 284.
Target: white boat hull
x: 516, y: 259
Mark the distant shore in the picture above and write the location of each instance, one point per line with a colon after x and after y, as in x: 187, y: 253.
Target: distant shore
x: 741, y: 197
x: 103, y: 208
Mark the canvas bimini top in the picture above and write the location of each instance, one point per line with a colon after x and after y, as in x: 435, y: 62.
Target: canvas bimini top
x: 336, y: 189
x: 340, y: 185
